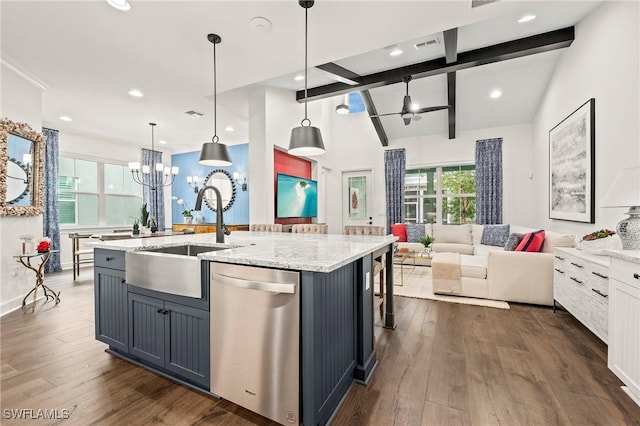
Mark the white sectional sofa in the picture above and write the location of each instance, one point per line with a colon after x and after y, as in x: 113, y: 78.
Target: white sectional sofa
x: 488, y: 271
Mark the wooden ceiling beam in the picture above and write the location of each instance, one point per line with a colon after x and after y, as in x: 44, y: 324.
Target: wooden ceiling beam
x: 526, y: 46
x: 377, y: 124
x: 451, y: 56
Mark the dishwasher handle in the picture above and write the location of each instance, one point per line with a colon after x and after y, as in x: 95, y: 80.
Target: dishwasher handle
x: 255, y: 285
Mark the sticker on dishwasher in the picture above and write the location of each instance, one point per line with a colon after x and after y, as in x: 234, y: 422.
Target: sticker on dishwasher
x: 290, y: 416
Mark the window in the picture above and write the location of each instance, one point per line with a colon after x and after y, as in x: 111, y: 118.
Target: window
x: 92, y: 193
x: 444, y: 195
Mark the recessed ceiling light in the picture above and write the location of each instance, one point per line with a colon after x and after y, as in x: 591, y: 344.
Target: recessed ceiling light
x: 526, y: 18
x: 162, y: 142
x: 120, y: 4
x: 496, y: 94
x: 65, y: 118
x: 136, y: 93
x: 298, y: 77
x: 229, y: 129
x: 396, y: 52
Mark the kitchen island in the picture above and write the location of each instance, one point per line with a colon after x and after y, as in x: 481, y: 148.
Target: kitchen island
x: 172, y: 334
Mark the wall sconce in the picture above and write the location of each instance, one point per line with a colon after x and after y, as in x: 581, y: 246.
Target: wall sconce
x: 192, y: 181
x: 243, y: 184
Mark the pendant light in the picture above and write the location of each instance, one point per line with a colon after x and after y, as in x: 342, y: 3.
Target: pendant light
x: 306, y: 140
x: 214, y: 153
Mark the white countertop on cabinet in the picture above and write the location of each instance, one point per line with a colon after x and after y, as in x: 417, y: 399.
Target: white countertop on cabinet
x: 630, y: 255
x: 305, y: 252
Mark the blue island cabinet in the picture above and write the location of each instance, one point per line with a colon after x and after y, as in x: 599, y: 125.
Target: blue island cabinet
x: 336, y: 315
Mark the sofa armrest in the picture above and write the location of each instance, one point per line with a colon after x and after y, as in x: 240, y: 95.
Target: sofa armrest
x: 520, y: 277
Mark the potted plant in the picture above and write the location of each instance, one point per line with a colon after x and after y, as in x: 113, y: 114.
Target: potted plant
x: 136, y: 227
x: 187, y: 216
x: 426, y: 242
x: 144, y: 217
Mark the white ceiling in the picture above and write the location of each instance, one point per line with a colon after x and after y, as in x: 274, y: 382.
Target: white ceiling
x: 88, y: 56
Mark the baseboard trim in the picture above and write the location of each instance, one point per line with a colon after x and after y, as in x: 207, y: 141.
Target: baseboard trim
x: 14, y: 304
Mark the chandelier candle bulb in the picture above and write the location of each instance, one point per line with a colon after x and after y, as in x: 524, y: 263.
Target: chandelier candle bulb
x: 146, y: 170
x: 134, y: 166
x: 175, y: 170
x: 159, y: 167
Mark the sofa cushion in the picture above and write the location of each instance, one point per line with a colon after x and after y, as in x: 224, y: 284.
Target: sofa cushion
x: 452, y: 248
x: 415, y: 231
x: 476, y: 234
x: 399, y: 230
x: 555, y: 239
x: 460, y: 234
x: 495, y: 235
x: 473, y: 267
x: 515, y: 238
x: 532, y: 242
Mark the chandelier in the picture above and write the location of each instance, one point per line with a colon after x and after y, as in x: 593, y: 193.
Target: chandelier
x: 168, y: 173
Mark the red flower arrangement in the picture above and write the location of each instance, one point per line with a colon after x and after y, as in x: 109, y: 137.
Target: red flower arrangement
x: 44, y: 245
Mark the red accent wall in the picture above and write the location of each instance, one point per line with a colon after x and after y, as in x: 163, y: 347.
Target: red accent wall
x: 290, y: 165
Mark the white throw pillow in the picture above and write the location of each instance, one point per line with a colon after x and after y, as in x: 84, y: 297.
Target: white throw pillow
x: 460, y: 234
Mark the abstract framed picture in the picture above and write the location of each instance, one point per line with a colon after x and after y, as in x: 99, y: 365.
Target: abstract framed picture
x: 572, y: 166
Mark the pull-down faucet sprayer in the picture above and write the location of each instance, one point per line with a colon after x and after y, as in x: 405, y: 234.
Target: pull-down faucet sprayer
x: 220, y: 228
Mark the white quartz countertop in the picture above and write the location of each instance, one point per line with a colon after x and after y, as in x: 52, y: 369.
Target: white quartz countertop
x: 305, y: 252
x: 630, y: 255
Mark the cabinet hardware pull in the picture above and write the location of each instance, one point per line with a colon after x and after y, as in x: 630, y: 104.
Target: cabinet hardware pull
x: 562, y: 272
x: 599, y: 292
x: 577, y: 264
x: 576, y: 280
x: 109, y: 258
x: 558, y: 257
x: 600, y: 275
x: 636, y: 276
x: 162, y: 311
x: 123, y: 281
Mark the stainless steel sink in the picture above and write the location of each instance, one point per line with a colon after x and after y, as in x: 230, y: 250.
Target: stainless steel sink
x: 186, y: 250
x: 173, y: 270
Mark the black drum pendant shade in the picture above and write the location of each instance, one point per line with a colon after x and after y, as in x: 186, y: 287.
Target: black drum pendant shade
x: 306, y: 139
x: 214, y: 153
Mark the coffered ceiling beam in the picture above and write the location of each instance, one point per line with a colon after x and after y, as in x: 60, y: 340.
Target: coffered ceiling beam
x: 545, y: 42
x: 377, y: 124
x: 451, y: 56
x: 341, y: 74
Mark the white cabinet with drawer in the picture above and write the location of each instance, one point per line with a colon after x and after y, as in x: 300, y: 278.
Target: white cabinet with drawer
x: 581, y: 286
x: 624, y: 320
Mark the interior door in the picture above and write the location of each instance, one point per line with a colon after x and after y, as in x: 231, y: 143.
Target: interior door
x: 357, y: 197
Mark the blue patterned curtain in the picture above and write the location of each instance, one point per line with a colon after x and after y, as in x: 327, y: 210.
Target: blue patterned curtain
x: 394, y: 171
x: 153, y: 197
x: 50, y: 225
x: 489, y: 181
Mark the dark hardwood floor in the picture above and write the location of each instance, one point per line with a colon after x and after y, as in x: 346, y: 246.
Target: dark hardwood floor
x: 445, y: 364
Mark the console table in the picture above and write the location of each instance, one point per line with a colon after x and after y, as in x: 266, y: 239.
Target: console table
x: 25, y: 259
x: 581, y: 286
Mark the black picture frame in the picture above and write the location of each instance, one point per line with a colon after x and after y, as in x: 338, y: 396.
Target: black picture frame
x: 572, y: 166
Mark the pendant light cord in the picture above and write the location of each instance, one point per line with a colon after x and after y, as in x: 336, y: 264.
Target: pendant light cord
x: 306, y: 26
x: 215, y: 137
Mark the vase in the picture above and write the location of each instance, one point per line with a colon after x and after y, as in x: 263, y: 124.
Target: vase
x: 199, y: 218
x: 187, y: 219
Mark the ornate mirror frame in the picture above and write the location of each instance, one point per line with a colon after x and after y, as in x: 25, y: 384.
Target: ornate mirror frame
x: 36, y: 186
x: 211, y: 201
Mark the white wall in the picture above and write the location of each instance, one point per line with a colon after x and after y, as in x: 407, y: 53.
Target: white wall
x: 438, y: 150
x: 602, y: 63
x: 21, y: 102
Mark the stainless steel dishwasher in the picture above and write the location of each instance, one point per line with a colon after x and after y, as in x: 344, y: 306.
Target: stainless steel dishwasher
x: 255, y: 337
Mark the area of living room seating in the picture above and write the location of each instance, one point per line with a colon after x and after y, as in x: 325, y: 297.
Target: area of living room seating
x: 363, y: 213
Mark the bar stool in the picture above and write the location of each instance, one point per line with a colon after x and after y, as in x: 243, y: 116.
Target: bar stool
x: 266, y: 227
x: 79, y: 256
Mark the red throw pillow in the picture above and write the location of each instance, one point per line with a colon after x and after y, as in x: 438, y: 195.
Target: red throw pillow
x: 399, y: 230
x: 531, y: 242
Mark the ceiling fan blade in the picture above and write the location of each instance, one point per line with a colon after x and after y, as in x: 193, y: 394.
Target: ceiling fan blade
x: 407, y: 121
x: 431, y: 109
x: 384, y: 115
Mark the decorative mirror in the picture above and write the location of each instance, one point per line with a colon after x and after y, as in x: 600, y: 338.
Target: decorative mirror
x: 21, y: 169
x: 222, y: 180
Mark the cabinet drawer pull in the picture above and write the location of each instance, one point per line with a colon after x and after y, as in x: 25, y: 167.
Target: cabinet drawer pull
x: 558, y: 270
x: 559, y: 257
x: 123, y: 281
x: 577, y: 264
x: 599, y: 293
x: 576, y: 280
x: 597, y: 274
x: 636, y: 276
x: 109, y: 258
x: 162, y: 311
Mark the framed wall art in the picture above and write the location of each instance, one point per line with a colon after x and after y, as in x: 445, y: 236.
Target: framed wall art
x: 572, y: 166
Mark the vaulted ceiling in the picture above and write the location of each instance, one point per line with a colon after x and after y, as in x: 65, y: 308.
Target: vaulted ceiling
x: 87, y: 56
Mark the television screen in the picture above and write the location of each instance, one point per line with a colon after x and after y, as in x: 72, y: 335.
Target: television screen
x: 296, y: 197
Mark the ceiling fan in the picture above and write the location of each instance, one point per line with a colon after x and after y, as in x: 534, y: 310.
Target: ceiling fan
x: 407, y: 113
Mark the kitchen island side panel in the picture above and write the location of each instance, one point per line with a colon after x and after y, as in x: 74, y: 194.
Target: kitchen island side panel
x: 328, y: 326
